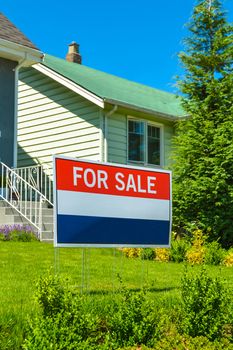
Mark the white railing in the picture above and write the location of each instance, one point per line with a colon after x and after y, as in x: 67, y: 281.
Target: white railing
x: 39, y: 177
x: 22, y: 196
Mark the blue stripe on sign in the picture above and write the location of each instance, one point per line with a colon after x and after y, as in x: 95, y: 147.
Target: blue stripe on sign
x: 102, y: 230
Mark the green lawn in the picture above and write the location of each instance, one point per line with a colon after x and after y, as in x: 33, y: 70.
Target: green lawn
x: 95, y: 271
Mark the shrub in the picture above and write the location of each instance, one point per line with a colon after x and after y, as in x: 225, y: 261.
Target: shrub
x: 136, y: 348
x: 63, y: 322
x: 180, y: 342
x: 50, y: 295
x: 162, y: 254
x: 195, y: 255
x: 205, y: 305
x: 133, y: 322
x: 228, y: 260
x: 198, y: 238
x: 131, y: 252
x: 68, y: 329
x: 147, y: 254
x: 214, y: 253
x: 19, y: 233
x: 179, y: 249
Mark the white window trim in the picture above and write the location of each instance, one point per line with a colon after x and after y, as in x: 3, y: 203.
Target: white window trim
x: 147, y: 122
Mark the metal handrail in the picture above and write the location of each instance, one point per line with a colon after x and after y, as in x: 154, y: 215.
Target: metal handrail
x: 22, y: 196
x: 39, y: 177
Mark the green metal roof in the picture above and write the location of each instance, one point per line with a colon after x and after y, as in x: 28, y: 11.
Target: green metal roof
x: 113, y: 88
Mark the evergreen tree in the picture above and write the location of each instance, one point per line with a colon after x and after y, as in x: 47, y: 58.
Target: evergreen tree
x: 203, y: 147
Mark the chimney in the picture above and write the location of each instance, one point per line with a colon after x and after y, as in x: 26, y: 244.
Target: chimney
x: 73, y: 54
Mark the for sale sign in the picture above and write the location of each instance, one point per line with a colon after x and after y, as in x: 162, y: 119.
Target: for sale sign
x: 107, y: 205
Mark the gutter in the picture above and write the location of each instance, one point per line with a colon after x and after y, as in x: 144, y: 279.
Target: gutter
x: 164, y: 116
x: 16, y: 70
x: 28, y: 57
x: 16, y: 52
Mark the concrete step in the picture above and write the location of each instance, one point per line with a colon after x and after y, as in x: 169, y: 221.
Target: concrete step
x: 45, y: 205
x: 48, y: 219
x: 47, y: 226
x: 20, y: 219
x: 7, y: 221
x: 10, y: 216
x: 47, y: 236
x: 3, y: 204
x: 45, y: 211
x: 2, y: 211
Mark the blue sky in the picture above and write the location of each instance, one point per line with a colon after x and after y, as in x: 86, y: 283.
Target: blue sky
x: 137, y: 40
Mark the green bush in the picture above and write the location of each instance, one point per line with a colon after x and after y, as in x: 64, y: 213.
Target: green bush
x: 131, y: 320
x: 50, y: 295
x: 134, y: 321
x: 180, y: 342
x: 147, y: 254
x: 205, y: 305
x: 63, y: 322
x: 179, y: 249
x: 136, y: 348
x: 214, y: 253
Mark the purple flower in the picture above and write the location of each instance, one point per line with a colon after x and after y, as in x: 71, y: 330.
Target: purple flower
x: 17, y: 229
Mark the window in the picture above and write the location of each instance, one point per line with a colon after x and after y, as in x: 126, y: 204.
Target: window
x: 144, y: 140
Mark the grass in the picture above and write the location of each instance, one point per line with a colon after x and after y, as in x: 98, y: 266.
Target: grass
x: 96, y: 271
x: 93, y: 270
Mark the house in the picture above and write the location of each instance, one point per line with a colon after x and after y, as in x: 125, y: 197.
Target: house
x: 67, y: 108
x: 16, y: 51
x: 63, y: 107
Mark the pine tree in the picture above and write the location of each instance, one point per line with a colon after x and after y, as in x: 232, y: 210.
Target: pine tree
x: 203, y: 156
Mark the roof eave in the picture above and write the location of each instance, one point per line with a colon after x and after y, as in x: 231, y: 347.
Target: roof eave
x: 70, y: 84
x: 99, y: 101
x: 17, y: 52
x: 165, y: 116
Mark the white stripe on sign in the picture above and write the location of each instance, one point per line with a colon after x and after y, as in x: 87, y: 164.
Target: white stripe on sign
x: 93, y: 204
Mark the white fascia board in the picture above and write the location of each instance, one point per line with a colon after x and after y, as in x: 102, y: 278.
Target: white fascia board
x: 144, y: 110
x: 17, y: 52
x: 70, y: 85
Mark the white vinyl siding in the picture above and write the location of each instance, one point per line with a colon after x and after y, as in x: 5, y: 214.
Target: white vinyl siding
x: 117, y: 138
x: 54, y: 120
x: 168, y: 135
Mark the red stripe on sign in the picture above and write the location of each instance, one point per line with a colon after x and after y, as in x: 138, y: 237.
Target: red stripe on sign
x: 114, y: 180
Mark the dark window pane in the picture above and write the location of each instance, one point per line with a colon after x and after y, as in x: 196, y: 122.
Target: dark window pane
x: 136, y: 141
x: 149, y: 131
x: 153, y: 145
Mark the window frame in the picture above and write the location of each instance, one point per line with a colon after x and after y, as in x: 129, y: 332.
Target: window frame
x: 161, y: 142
